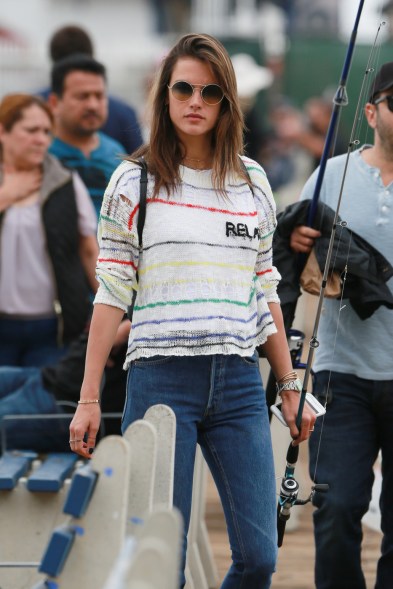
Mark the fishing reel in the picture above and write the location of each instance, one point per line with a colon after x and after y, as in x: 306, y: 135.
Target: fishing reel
x: 289, y: 491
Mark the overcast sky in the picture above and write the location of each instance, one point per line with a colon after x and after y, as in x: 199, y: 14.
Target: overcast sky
x: 369, y: 22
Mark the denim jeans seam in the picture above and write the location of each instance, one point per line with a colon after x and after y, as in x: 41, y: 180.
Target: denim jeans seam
x: 230, y: 497
x: 217, y: 371
x: 211, y: 394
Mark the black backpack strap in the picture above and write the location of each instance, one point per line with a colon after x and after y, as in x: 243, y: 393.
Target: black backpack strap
x: 142, y: 199
x: 141, y: 220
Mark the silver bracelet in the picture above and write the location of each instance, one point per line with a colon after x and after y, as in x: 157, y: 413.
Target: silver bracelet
x: 290, y: 385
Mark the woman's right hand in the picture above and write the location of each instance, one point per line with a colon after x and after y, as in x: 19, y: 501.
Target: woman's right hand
x: 84, y: 427
x: 86, y: 421
x: 17, y: 186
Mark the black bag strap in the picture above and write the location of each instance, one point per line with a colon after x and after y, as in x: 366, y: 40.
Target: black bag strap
x: 141, y: 220
x: 142, y: 199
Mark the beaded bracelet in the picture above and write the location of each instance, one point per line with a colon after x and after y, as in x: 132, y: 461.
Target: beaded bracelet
x: 88, y: 401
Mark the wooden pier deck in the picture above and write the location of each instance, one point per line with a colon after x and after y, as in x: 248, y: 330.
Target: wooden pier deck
x: 296, y: 556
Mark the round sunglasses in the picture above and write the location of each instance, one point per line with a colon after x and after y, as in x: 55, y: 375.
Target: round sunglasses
x: 389, y: 100
x: 211, y: 94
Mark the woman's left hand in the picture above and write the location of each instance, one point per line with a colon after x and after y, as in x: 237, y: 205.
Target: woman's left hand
x: 290, y: 405
x: 83, y: 429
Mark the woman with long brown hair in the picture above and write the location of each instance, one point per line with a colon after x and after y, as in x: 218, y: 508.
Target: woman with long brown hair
x: 48, y: 246
x: 206, y: 299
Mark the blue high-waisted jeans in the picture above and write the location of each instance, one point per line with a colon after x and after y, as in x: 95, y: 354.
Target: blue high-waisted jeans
x: 219, y: 403
x: 358, y: 423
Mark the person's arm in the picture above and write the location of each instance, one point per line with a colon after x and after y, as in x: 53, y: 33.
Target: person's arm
x: 88, y: 251
x: 115, y: 272
x: 277, y: 353
x: 276, y: 346
x: 86, y: 421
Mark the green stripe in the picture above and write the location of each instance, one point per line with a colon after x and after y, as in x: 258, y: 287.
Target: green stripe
x: 102, y: 281
x: 256, y: 169
x: 192, y: 301
x: 268, y: 234
x: 110, y: 219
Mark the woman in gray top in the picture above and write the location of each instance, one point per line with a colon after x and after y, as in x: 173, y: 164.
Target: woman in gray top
x: 48, y: 245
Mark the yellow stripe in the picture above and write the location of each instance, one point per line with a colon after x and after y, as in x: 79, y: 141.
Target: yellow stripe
x: 115, y: 281
x: 175, y: 264
x: 199, y: 281
x: 110, y: 229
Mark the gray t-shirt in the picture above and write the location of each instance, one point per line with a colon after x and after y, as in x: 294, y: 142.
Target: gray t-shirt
x: 347, y: 343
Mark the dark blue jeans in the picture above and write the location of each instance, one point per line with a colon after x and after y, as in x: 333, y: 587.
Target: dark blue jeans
x: 220, y: 404
x: 29, y: 342
x: 22, y: 393
x: 358, y: 423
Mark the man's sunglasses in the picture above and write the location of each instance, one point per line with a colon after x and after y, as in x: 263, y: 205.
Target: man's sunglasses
x: 211, y: 94
x: 389, y: 100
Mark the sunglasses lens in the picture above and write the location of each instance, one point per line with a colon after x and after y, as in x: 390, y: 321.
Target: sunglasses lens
x: 212, y: 94
x: 389, y: 101
x: 182, y: 91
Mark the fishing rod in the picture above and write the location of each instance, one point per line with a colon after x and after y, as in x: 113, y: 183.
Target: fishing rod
x: 339, y: 101
x: 289, y: 488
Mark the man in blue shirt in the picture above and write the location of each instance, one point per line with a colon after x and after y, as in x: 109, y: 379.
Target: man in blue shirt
x: 353, y: 368
x: 122, y: 122
x: 80, y: 105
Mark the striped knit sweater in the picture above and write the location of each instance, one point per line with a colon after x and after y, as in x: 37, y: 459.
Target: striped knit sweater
x: 205, y: 271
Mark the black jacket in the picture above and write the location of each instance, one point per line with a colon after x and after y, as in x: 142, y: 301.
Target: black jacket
x: 368, y: 270
x: 60, y: 217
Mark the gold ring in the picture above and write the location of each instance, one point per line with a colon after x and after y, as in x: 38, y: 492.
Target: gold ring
x: 73, y: 441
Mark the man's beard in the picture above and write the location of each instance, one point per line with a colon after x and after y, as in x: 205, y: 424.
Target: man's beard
x: 89, y: 129
x: 386, y: 138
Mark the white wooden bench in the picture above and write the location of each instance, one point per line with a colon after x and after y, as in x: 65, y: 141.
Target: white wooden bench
x: 32, y: 494
x: 77, y: 527
x: 151, y: 558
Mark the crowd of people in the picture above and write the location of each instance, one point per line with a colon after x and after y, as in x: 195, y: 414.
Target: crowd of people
x: 208, y: 289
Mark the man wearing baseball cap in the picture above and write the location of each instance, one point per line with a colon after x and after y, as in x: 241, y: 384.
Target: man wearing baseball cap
x: 353, y: 368
x: 383, y: 81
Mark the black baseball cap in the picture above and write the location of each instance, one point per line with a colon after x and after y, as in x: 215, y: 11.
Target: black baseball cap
x: 382, y: 81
